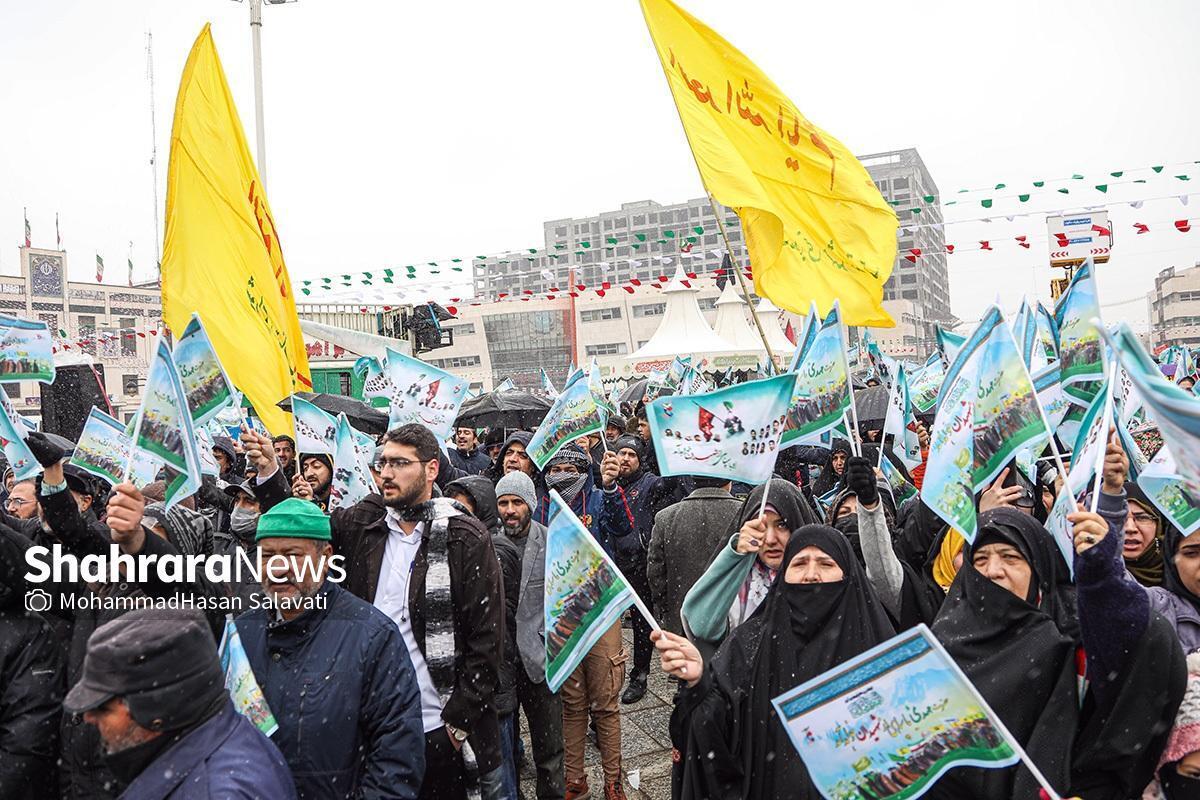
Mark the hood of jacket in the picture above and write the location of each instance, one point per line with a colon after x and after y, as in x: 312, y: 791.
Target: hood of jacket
x: 482, y: 492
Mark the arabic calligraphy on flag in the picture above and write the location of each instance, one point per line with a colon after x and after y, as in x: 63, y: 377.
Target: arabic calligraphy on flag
x: 423, y: 393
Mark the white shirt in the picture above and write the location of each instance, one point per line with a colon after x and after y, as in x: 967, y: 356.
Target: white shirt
x: 391, y: 597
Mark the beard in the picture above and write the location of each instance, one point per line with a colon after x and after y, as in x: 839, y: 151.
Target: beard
x: 408, y: 496
x: 517, y: 527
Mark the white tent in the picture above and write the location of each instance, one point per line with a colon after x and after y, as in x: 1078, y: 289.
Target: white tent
x: 683, y: 329
x: 732, y: 324
x: 768, y: 316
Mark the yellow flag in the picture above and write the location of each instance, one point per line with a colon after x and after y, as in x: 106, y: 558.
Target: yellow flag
x: 221, y: 254
x: 815, y: 224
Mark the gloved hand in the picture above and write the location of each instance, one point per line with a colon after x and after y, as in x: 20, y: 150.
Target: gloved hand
x: 860, y: 479
x: 45, y: 451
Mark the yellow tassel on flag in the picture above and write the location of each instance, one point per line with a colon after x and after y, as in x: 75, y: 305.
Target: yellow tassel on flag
x: 815, y: 224
x: 221, y: 254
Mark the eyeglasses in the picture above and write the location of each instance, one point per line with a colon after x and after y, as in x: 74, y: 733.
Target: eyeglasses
x: 397, y: 464
x: 1143, y: 519
x: 15, y: 502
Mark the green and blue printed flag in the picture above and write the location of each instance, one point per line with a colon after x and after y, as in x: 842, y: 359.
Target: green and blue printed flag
x: 988, y: 411
x: 574, y: 413
x: 585, y: 593
x: 923, y: 384
x: 1080, y: 350
x: 901, y: 489
x: 423, y: 393
x: 888, y: 723
x: 732, y: 433
x: 948, y: 345
x: 205, y: 383
x: 26, y: 350
x: 12, y: 442
x: 316, y: 430
x: 103, y: 447
x: 352, y: 480
x: 905, y: 443
x: 822, y: 392
x: 244, y: 691
x: 163, y: 427
x: 548, y: 386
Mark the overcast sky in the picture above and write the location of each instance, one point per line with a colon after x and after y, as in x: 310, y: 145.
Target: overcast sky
x: 402, y: 132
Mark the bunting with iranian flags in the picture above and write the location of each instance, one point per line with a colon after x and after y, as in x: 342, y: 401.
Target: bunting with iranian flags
x: 816, y: 227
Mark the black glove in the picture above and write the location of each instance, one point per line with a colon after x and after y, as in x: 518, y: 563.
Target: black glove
x: 860, y: 479
x: 45, y: 451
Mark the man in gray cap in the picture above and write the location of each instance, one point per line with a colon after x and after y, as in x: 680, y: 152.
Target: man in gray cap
x: 152, y: 685
x: 525, y: 645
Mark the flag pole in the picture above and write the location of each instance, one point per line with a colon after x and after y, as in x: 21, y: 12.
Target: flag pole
x: 1107, y: 423
x: 712, y: 203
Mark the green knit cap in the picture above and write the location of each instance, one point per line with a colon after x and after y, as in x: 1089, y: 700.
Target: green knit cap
x: 295, y: 519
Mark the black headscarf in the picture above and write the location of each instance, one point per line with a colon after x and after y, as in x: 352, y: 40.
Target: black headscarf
x: 735, y: 744
x: 1019, y: 652
x: 828, y: 479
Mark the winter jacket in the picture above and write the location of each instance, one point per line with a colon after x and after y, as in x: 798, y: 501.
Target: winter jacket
x: 360, y: 534
x: 475, y: 462
x: 509, y: 556
x: 604, y: 512
x: 342, y: 688
x: 482, y: 492
x: 681, y: 545
x: 646, y: 494
x: 31, y: 685
x: 705, y: 609
x: 83, y: 773
x: 224, y: 757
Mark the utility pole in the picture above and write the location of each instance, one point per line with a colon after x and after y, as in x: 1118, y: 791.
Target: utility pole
x: 259, y: 130
x: 153, y: 148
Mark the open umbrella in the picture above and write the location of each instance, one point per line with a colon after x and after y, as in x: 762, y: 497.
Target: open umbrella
x: 360, y: 415
x: 632, y: 394
x: 871, y: 404
x: 507, y: 408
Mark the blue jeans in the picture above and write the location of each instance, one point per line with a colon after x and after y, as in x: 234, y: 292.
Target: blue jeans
x: 509, y: 742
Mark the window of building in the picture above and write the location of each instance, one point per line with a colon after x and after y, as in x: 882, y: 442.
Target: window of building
x: 609, y: 349
x: 561, y: 230
x: 594, y: 314
x: 909, y: 294
x: 86, y: 328
x: 129, y: 384
x: 455, y: 361
x: 899, y: 183
x: 707, y: 303
x: 649, y: 310
x: 464, y: 329
x: 128, y: 337
x: 639, y: 219
x: 13, y: 390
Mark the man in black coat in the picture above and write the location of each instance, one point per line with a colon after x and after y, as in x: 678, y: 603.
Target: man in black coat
x: 451, y: 615
x: 31, y: 684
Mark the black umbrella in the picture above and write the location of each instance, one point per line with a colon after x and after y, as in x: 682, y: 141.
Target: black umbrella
x: 360, y: 415
x: 634, y: 392
x: 507, y: 408
x: 871, y: 404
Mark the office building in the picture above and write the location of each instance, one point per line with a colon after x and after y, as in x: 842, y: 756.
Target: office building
x: 1175, y: 307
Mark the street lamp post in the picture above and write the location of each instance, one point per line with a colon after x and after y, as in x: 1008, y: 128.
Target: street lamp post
x: 259, y: 131
x: 256, y: 42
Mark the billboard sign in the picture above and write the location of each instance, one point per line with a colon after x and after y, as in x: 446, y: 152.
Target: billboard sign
x: 1074, y: 237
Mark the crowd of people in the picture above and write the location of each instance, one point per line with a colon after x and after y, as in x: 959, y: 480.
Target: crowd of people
x: 399, y: 648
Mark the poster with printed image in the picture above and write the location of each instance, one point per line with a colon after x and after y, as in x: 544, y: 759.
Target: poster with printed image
x: 423, y: 393
x: 204, y: 380
x: 26, y: 350
x: 887, y: 724
x: 103, y: 447
x: 822, y: 392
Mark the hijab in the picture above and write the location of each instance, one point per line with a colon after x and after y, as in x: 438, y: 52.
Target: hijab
x: 1147, y: 569
x: 828, y: 479
x: 736, y: 744
x: 1019, y: 652
x: 1172, y: 539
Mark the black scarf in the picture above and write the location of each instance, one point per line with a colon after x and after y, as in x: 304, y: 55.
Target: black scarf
x: 737, y: 747
x: 828, y: 479
x: 1019, y: 652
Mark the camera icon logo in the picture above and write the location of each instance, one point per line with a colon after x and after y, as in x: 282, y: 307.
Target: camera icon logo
x: 37, y: 600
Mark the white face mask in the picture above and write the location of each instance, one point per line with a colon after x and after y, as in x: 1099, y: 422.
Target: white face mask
x: 243, y: 521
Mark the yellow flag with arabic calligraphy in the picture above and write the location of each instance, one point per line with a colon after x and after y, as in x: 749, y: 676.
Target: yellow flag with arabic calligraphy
x: 815, y: 224
x: 221, y: 253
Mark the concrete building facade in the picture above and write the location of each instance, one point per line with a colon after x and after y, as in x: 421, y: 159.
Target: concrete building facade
x: 1174, y: 305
